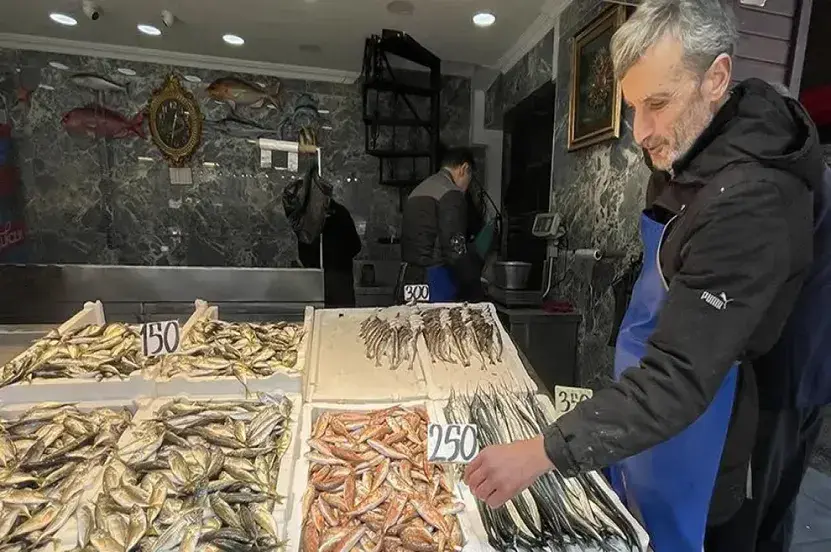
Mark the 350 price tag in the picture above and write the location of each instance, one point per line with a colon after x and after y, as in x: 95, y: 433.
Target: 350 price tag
x: 452, y: 443
x: 419, y: 293
x: 566, y: 398
x: 160, y: 338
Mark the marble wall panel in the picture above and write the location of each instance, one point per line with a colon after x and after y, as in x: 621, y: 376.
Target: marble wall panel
x: 110, y: 201
x: 600, y: 192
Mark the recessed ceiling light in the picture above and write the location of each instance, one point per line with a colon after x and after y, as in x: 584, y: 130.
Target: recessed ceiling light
x: 149, y: 30
x: 401, y: 7
x: 192, y: 78
x: 63, y: 19
x: 126, y: 71
x: 233, y: 40
x: 58, y: 65
x: 484, y: 19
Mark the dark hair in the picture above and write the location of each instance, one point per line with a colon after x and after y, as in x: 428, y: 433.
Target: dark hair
x: 456, y: 157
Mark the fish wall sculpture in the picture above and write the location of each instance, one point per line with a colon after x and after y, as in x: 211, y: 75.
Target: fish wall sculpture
x: 236, y: 92
x: 99, y: 122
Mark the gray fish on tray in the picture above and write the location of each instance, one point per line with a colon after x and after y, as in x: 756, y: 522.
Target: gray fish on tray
x: 200, y: 475
x: 555, y: 512
x: 96, y: 82
x: 102, y: 352
x: 49, y: 456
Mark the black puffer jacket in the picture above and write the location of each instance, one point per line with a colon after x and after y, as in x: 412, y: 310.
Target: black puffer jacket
x: 739, y: 209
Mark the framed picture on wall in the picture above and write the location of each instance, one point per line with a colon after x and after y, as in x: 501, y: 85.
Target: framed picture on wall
x: 595, y: 101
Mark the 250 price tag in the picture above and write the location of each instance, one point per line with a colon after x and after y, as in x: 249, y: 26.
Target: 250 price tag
x: 452, y: 443
x: 160, y: 338
x: 419, y: 293
x: 566, y: 398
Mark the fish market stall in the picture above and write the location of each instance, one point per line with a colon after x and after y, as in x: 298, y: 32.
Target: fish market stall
x: 84, y: 359
x: 51, y: 456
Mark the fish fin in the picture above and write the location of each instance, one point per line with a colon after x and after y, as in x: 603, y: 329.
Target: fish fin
x: 137, y: 125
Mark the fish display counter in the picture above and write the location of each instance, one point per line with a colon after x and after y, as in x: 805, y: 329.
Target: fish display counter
x: 217, y: 356
x: 84, y: 359
x: 52, y: 454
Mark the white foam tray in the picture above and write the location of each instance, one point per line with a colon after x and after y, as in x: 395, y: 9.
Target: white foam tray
x: 209, y: 386
x: 288, y: 462
x: 79, y: 389
x: 67, y: 536
x: 444, y: 377
x: 301, y: 472
x: 340, y: 372
x: 477, y: 526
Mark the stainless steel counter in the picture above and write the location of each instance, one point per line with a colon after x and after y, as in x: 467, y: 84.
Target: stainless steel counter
x: 52, y: 293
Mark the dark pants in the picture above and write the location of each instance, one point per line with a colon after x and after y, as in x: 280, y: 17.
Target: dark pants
x: 765, y: 522
x: 338, y: 288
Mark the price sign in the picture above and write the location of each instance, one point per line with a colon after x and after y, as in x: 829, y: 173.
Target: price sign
x: 160, y: 338
x: 566, y: 398
x: 452, y: 443
x: 419, y: 293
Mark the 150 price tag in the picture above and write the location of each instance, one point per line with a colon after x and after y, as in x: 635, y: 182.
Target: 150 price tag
x: 566, y: 398
x: 160, y: 338
x: 452, y: 443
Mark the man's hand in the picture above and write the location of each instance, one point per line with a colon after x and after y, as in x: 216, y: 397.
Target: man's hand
x: 500, y: 472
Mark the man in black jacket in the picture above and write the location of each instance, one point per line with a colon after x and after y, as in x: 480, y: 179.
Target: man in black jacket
x: 434, y: 246
x: 341, y: 244
x: 728, y: 245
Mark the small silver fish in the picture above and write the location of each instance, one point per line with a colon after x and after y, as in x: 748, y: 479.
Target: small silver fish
x: 97, y: 83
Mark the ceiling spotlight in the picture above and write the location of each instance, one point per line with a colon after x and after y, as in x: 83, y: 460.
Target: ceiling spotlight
x: 233, y: 40
x: 63, y: 19
x: 58, y: 65
x: 149, y: 30
x: 484, y: 19
x: 126, y: 71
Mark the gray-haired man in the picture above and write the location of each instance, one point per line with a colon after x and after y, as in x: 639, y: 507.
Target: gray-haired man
x: 727, y: 247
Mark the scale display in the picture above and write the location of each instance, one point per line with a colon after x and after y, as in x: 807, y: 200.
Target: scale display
x: 546, y: 225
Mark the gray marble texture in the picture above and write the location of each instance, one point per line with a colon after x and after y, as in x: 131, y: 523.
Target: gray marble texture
x: 111, y: 202
x: 530, y: 72
x: 600, y: 192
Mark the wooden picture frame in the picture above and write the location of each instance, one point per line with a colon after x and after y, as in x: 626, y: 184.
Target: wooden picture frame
x: 596, y: 98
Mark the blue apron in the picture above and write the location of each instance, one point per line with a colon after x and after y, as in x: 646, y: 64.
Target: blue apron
x: 670, y: 485
x: 442, y: 285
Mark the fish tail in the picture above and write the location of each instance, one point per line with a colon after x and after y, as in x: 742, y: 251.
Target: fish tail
x: 137, y: 125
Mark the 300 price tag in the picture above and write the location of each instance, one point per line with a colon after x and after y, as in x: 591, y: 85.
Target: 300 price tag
x: 419, y: 293
x: 566, y: 398
x: 452, y: 443
x: 160, y: 338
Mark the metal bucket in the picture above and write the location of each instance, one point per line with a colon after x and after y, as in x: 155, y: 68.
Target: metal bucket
x: 511, y: 274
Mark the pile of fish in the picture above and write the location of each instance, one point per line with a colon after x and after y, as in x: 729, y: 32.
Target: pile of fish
x: 49, y: 457
x: 371, y: 487
x: 555, y: 511
x: 452, y: 334
x: 109, y: 351
x: 214, y: 348
x: 200, y: 475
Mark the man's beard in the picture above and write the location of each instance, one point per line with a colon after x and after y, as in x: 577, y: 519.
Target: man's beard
x: 688, y: 128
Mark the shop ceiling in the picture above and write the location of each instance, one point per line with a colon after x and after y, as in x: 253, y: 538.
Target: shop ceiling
x: 326, y: 34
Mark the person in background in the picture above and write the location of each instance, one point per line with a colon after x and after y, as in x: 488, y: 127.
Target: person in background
x: 434, y: 245
x: 341, y: 244
x: 706, y: 430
